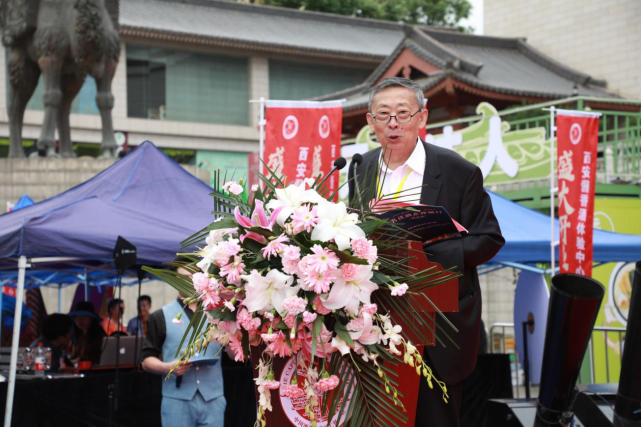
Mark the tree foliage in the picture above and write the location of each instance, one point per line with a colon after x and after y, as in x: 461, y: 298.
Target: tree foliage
x: 440, y: 13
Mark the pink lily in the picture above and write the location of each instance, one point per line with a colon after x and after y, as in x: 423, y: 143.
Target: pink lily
x: 258, y: 219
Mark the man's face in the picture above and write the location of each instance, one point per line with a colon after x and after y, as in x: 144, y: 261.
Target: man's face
x: 144, y: 308
x: 393, y: 135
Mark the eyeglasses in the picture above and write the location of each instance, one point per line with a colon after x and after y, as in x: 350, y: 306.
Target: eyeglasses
x: 400, y: 118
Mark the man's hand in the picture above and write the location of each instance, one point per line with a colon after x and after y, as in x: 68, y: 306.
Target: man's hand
x: 180, y: 370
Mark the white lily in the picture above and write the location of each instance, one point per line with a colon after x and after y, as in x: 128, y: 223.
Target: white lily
x: 267, y: 292
x: 291, y: 198
x: 335, y: 223
x: 351, y: 294
x: 340, y: 345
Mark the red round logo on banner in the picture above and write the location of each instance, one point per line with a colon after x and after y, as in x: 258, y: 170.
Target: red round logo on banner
x: 323, y: 127
x: 295, y: 408
x: 575, y: 133
x: 290, y: 127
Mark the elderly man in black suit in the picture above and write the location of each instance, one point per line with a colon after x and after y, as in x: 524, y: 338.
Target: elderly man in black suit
x: 396, y: 114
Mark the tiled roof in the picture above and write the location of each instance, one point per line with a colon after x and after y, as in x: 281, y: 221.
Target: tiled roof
x: 262, y: 26
x: 503, y: 65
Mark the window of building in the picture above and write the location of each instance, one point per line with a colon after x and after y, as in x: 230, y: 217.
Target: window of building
x: 292, y: 80
x: 187, y: 86
x: 84, y: 102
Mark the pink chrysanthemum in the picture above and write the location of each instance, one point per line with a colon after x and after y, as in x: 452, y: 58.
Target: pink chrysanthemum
x: 320, y: 308
x: 237, y: 348
x: 323, y: 260
x: 365, y: 249
x: 309, y: 317
x: 292, y: 391
x: 233, y: 271
x: 305, y: 218
x: 349, y: 272
x: 275, y: 247
x: 317, y: 281
x: 280, y: 347
x: 326, y: 384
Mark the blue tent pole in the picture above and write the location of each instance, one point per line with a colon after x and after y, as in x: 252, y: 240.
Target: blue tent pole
x: 59, y: 298
x: 86, y: 285
x: 15, y: 340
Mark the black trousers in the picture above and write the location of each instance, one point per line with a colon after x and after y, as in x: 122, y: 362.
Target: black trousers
x: 431, y: 409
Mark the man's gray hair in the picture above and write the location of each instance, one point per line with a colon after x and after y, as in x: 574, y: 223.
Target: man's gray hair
x: 397, y: 82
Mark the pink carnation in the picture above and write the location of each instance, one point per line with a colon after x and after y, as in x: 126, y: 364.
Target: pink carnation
x: 233, y: 188
x: 349, y: 271
x: 355, y: 324
x: 320, y: 308
x: 294, y: 305
x: 290, y: 320
x: 245, y: 319
x: 270, y: 384
x: 200, y: 281
x: 369, y: 309
x: 290, y: 257
x: 309, y: 317
x: 399, y: 290
x: 231, y: 246
x: 326, y: 384
x: 365, y: 249
x: 322, y: 260
x: 292, y: 391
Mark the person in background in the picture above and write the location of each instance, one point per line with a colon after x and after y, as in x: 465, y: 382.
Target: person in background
x: 87, y: 340
x: 56, y: 334
x: 111, y: 322
x: 193, y: 394
x: 136, y: 326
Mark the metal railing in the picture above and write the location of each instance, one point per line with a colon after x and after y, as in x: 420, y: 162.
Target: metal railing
x: 619, y: 147
x: 502, y: 340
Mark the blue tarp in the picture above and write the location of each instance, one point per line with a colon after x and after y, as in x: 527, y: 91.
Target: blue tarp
x: 24, y: 202
x: 527, y: 237
x: 146, y: 197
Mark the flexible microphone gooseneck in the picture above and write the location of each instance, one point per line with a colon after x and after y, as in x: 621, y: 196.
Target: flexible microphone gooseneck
x: 338, y: 165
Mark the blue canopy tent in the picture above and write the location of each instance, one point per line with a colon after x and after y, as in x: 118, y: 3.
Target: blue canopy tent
x: 527, y: 239
x: 22, y: 203
x: 146, y: 197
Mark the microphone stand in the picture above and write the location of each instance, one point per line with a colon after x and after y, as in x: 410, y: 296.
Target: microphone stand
x: 141, y: 276
x: 357, y: 159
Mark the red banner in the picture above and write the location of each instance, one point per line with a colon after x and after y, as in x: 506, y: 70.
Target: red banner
x: 577, y: 138
x: 303, y: 139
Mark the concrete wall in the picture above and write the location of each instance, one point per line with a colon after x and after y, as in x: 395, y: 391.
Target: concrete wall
x: 600, y: 38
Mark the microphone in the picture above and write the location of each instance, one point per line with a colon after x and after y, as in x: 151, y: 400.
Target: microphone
x: 357, y: 159
x: 338, y: 165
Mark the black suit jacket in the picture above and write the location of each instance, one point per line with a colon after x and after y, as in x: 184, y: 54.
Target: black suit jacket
x: 457, y: 185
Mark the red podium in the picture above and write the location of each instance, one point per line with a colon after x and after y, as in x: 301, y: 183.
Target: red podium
x: 287, y: 412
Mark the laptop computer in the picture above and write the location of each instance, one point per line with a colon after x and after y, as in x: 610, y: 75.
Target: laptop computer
x: 127, y: 350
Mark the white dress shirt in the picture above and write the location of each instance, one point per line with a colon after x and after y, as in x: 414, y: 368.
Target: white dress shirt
x: 407, y: 178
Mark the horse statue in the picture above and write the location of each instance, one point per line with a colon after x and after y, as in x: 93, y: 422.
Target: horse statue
x: 64, y: 40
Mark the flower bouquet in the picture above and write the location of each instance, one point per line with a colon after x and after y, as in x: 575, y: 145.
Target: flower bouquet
x: 294, y: 275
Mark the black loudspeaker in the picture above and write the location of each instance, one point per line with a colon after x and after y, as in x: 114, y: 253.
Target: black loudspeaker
x: 627, y: 409
x: 574, y: 305
x: 125, y: 255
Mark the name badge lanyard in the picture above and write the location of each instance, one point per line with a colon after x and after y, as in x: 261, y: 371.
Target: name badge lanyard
x: 400, y: 187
